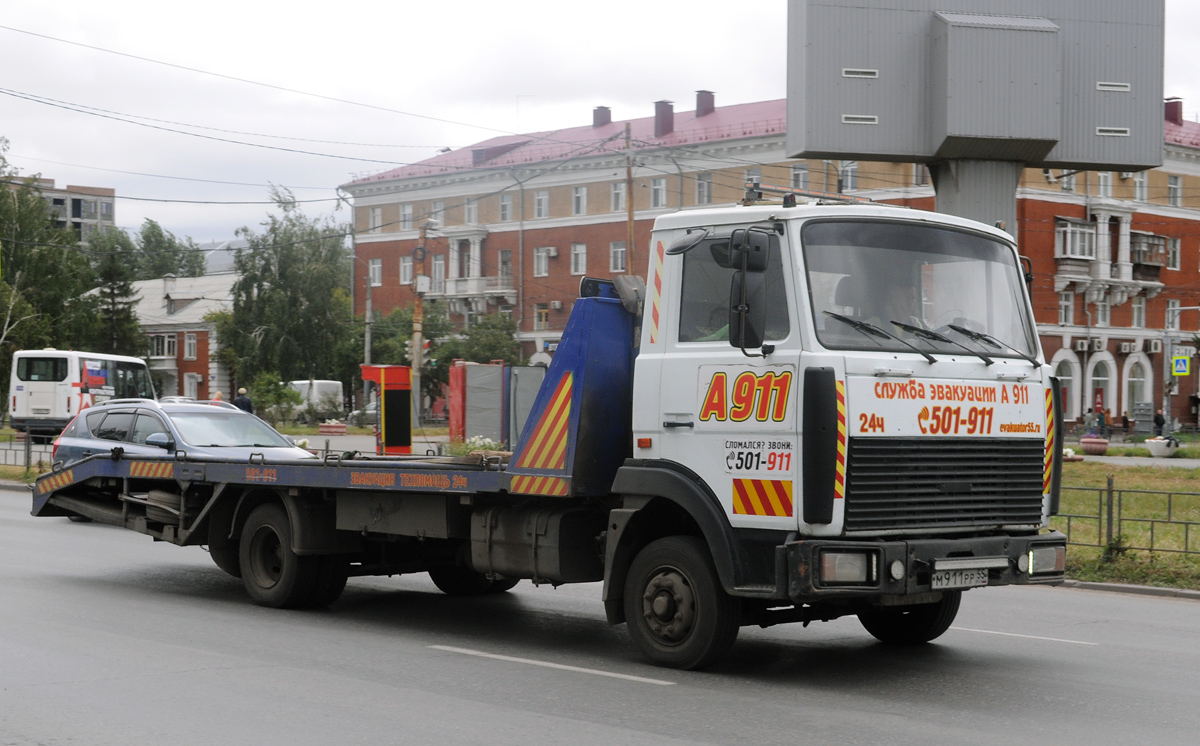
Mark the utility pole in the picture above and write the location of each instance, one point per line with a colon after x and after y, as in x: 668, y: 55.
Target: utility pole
x: 367, y: 339
x: 419, y: 280
x: 628, y: 202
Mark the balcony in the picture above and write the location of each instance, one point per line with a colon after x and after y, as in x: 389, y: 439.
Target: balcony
x: 474, y: 287
x: 1148, y: 253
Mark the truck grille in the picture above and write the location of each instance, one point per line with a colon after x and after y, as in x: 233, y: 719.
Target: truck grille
x: 894, y: 483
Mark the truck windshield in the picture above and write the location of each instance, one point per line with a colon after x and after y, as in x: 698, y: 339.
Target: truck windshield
x: 888, y: 273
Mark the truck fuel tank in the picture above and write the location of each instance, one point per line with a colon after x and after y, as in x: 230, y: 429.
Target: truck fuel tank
x: 543, y: 541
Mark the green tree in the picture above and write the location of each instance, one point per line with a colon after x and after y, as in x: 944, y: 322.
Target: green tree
x: 391, y: 339
x: 273, y: 400
x: 43, y: 273
x: 491, y: 337
x: 291, y: 301
x: 160, y: 253
x: 117, y: 329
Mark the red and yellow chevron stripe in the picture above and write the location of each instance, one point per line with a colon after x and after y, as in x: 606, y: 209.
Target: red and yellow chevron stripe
x: 547, y: 447
x: 55, y: 481
x: 656, y: 292
x: 839, y: 481
x: 762, y: 497
x: 152, y: 469
x: 1051, y: 443
x: 552, y: 486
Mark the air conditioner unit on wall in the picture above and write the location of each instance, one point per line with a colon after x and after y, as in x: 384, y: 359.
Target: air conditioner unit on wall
x: 1081, y: 345
x: 1155, y: 345
x: 1126, y: 174
x: 1126, y: 348
x: 552, y: 251
x: 1098, y: 345
x: 556, y: 305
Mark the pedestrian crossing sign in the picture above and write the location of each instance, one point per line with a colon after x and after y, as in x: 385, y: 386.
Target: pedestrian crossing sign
x: 1180, y: 366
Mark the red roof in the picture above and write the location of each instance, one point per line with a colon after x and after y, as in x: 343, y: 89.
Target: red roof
x: 1186, y: 134
x: 724, y: 123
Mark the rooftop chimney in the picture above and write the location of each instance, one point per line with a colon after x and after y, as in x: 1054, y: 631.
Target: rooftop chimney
x: 601, y: 116
x: 664, y: 118
x: 1174, y: 110
x: 705, y: 103
x: 168, y: 288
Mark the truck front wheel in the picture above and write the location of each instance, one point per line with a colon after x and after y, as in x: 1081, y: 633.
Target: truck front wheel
x: 912, y: 625
x: 678, y: 614
x: 272, y: 573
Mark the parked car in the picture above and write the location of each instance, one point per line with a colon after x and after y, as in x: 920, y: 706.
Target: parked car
x: 365, y: 417
x: 150, y: 428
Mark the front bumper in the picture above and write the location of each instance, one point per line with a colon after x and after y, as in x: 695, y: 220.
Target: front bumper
x: 917, y: 557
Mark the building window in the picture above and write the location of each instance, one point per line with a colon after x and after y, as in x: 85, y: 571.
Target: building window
x: 375, y: 220
x: 1174, y: 191
x: 1140, y: 192
x: 541, y: 261
x: 1101, y: 385
x: 754, y: 175
x: 850, y: 176
x: 106, y: 210
x: 1066, y: 308
x: 505, y: 257
x: 406, y: 270
x: 1066, y: 379
x: 617, y: 196
x: 406, y: 217
x: 1102, y: 311
x: 616, y: 256
x: 579, y: 200
x: 438, y: 281
x: 1172, y: 320
x: 1104, y: 183
x: 541, y: 317
x: 163, y: 345
x: 1172, y: 253
x: 578, y: 258
x: 189, y: 347
x: 541, y: 204
x: 704, y: 188
x: 375, y: 272
x: 1067, y: 181
x: 1136, y: 380
x: 800, y: 176
x: 89, y: 209
x: 920, y: 174
x: 506, y: 208
x: 1075, y: 240
x: 471, y: 211
x: 1137, y: 308
x: 658, y: 192
x: 437, y: 211
x: 1147, y: 248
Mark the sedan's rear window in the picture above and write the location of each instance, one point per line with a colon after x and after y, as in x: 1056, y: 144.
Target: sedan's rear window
x: 223, y: 427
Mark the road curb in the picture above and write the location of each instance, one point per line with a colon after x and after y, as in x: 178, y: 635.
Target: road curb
x: 1138, y: 590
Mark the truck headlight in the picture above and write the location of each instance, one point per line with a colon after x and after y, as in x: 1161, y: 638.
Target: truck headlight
x: 840, y: 567
x: 1046, y: 560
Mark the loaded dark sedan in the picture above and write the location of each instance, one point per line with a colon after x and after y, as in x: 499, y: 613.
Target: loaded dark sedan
x: 144, y: 427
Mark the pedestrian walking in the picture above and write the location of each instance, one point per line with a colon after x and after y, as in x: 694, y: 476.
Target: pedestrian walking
x: 1159, y: 422
x: 1089, y: 423
x: 243, y: 402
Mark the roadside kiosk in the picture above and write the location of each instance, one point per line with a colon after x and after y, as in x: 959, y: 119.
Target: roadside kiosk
x: 393, y: 432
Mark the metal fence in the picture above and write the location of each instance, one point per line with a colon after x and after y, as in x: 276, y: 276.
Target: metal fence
x: 1140, y: 519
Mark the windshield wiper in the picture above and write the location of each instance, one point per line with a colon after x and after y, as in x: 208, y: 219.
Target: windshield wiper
x: 993, y: 342
x: 935, y: 337
x: 875, y: 331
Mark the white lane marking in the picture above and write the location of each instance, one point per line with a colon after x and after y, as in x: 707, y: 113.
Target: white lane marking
x: 547, y: 664
x: 1027, y: 637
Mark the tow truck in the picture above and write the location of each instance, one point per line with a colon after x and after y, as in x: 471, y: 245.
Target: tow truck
x: 803, y: 413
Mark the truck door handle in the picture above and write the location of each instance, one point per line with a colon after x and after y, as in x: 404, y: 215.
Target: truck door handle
x: 679, y: 424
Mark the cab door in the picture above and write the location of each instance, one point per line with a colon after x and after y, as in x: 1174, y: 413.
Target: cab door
x: 729, y: 417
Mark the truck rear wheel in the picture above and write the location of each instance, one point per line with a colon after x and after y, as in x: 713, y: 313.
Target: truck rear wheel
x: 331, y: 579
x: 272, y: 573
x: 462, y: 581
x: 678, y: 613
x: 225, y: 556
x: 912, y: 625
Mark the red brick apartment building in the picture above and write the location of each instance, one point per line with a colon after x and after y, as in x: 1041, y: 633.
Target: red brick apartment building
x: 1116, y: 256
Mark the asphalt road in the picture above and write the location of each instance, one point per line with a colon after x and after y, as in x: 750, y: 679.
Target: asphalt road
x: 109, y: 638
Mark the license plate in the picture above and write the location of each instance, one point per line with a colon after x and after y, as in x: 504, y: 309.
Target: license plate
x: 950, y: 579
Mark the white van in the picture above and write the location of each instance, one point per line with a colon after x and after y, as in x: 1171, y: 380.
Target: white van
x: 326, y: 397
x: 49, y: 387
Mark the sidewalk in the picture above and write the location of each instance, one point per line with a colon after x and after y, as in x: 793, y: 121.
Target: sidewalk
x: 1179, y: 463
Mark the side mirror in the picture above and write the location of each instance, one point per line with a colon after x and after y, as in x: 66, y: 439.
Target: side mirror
x: 161, y: 440
x: 750, y: 249
x: 747, y: 309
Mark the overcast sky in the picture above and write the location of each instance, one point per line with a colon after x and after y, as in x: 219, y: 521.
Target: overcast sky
x: 451, y: 73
